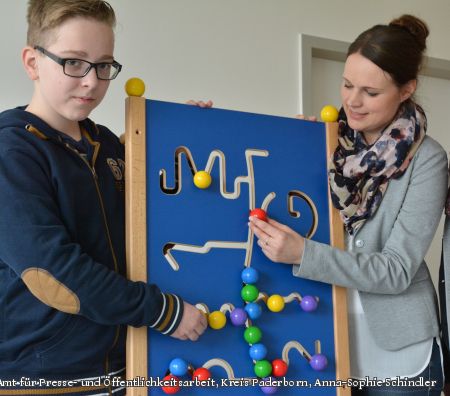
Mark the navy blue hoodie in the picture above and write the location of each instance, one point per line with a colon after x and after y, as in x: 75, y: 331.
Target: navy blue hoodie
x: 64, y: 298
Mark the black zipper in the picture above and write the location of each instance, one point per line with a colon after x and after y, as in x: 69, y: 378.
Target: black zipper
x: 95, y: 177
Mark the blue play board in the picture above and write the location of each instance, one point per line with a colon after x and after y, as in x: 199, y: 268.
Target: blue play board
x: 254, y: 160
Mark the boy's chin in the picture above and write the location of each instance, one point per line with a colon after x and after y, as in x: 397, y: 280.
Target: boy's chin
x: 79, y: 115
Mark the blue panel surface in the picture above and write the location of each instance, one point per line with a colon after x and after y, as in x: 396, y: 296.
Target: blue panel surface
x: 296, y: 160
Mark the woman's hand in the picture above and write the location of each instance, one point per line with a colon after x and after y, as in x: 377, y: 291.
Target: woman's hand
x: 200, y: 103
x: 278, y: 242
x: 309, y: 118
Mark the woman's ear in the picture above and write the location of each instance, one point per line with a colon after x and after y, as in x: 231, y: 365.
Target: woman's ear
x: 29, y: 60
x: 408, y: 89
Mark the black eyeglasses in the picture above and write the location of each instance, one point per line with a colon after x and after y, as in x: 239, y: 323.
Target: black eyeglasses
x: 79, y: 68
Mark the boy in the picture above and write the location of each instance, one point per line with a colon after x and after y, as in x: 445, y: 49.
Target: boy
x: 64, y: 299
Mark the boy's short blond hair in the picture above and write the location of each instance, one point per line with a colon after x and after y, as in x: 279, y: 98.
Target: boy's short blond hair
x: 45, y: 15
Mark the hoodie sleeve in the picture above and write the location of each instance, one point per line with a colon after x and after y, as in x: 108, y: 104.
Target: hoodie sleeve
x: 36, y: 245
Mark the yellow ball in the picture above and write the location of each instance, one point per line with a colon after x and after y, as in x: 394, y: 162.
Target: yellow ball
x: 217, y: 320
x: 329, y: 114
x: 135, y: 87
x: 202, y: 179
x: 275, y: 303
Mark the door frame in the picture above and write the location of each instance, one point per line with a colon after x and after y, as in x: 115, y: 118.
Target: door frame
x: 336, y: 50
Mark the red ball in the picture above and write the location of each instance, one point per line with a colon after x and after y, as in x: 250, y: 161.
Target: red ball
x: 259, y: 213
x: 171, y: 390
x: 201, y: 374
x: 279, y: 368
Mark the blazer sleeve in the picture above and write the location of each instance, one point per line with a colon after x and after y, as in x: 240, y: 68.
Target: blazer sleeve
x: 444, y: 287
x: 390, y: 270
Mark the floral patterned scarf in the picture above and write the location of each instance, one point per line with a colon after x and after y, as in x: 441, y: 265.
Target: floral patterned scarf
x: 359, y: 173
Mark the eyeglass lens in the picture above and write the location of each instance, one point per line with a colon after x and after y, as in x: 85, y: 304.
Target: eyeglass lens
x: 79, y: 68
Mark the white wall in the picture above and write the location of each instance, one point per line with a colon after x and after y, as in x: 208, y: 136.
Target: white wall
x: 243, y: 54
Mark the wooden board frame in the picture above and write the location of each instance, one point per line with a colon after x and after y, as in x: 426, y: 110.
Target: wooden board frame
x: 136, y: 247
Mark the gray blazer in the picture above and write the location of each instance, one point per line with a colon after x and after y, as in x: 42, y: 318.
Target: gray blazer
x: 386, y: 264
x: 446, y: 280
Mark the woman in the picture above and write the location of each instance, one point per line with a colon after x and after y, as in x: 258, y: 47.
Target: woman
x: 389, y: 180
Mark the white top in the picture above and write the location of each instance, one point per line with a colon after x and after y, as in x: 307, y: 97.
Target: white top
x: 367, y: 359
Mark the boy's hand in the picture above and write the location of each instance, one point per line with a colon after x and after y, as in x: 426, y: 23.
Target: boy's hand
x: 192, y: 325
x: 200, y: 103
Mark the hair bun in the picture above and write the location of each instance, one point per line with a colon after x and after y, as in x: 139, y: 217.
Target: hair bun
x: 415, y: 26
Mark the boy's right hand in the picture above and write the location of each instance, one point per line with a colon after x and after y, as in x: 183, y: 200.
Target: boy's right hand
x: 192, y: 325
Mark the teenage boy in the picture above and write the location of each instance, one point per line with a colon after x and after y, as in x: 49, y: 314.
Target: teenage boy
x: 64, y: 299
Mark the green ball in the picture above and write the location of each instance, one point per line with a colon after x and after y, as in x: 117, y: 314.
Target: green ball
x: 252, y: 334
x: 262, y: 368
x: 249, y: 293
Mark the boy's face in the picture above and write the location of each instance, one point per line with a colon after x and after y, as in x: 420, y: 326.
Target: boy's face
x: 64, y: 100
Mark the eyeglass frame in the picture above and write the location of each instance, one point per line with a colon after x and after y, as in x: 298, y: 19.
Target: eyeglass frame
x: 62, y: 62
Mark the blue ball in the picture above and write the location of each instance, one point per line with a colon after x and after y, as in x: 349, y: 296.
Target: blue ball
x: 257, y: 351
x: 178, y: 367
x: 249, y: 275
x: 254, y: 311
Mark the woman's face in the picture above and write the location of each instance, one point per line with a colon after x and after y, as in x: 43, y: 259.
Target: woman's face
x: 370, y: 97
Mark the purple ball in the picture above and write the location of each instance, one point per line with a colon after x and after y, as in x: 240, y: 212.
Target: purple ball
x: 238, y: 316
x: 308, y: 303
x: 318, y: 362
x: 253, y: 310
x: 267, y: 388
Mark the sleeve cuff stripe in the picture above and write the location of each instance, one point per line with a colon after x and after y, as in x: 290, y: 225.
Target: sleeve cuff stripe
x: 162, y: 311
x: 167, y: 315
x: 175, y: 317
